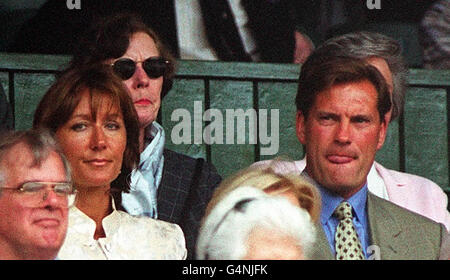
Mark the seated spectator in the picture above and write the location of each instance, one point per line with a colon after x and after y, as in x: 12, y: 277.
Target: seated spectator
x: 6, y: 117
x: 412, y: 192
x: 292, y: 188
x: 35, y: 194
x: 434, y: 33
x: 165, y: 184
x: 95, y: 122
x: 249, y: 224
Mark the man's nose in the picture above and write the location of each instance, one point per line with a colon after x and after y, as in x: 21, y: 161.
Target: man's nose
x: 343, y: 133
x: 50, y: 198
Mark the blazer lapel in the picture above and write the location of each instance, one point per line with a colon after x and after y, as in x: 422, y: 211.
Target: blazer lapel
x: 384, y: 230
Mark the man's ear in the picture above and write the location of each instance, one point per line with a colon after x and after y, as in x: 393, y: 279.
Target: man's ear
x: 383, y: 131
x: 300, y: 127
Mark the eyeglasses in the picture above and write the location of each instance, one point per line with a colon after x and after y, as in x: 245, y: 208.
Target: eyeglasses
x: 32, y: 194
x: 155, y: 67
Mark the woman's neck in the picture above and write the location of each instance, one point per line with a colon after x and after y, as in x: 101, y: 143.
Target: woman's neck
x: 95, y: 202
x: 141, y: 139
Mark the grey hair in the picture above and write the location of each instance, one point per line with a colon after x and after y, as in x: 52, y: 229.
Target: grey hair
x: 40, y: 142
x: 225, y: 231
x: 365, y: 45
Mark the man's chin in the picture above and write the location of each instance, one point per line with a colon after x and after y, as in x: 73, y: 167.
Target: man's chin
x: 344, y: 186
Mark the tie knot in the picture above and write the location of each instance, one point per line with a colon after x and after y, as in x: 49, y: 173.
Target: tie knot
x: 344, y: 210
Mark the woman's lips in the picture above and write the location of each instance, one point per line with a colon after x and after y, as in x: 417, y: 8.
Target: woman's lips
x: 143, y: 102
x: 98, y: 162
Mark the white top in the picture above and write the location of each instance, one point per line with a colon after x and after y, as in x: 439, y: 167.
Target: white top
x: 127, y: 238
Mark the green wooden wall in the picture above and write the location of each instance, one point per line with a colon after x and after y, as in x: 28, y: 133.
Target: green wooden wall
x: 416, y: 143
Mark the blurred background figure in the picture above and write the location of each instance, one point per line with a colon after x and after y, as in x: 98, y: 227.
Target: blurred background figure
x: 227, y: 30
x: 35, y: 194
x: 435, y: 34
x: 265, y: 223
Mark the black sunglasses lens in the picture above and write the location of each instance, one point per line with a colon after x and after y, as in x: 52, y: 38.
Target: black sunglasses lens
x: 124, y: 68
x: 154, y: 68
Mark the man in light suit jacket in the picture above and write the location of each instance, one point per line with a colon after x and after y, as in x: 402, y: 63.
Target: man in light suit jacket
x: 342, y: 117
x: 412, y: 192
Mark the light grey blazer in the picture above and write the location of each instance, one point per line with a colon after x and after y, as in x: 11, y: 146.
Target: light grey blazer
x: 398, y: 234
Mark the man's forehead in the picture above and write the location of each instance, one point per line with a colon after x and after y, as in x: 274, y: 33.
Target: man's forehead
x: 356, y: 91
x: 18, y: 164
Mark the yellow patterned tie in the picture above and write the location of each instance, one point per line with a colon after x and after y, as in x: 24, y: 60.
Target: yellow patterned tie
x: 348, y: 245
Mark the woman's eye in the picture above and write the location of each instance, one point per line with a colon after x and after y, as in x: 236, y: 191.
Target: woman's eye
x: 112, y: 126
x: 78, y: 127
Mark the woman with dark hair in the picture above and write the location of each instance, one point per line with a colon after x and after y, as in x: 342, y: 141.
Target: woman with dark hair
x: 95, y: 123
x: 165, y: 184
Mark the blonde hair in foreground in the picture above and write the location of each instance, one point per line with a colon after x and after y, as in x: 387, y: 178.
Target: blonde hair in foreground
x: 266, y: 178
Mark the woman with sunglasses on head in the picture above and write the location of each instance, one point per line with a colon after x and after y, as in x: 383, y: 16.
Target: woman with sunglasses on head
x: 165, y: 185
x: 95, y: 123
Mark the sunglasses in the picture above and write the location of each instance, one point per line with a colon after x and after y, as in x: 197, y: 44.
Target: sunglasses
x: 155, y: 67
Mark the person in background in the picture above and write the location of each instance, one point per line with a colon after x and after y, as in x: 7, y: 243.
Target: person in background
x: 413, y: 192
x: 226, y: 30
x: 35, y: 194
x: 165, y: 184
x: 434, y: 32
x: 94, y: 120
x: 259, y: 214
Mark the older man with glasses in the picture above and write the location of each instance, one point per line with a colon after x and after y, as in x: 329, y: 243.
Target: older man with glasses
x: 35, y: 194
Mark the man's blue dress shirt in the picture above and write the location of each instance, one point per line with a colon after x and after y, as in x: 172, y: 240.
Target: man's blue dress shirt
x: 358, y: 201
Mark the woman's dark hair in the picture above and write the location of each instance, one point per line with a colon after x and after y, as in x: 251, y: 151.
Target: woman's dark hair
x: 109, y: 38
x: 60, y: 101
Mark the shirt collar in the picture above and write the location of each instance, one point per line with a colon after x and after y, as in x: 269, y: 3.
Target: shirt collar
x: 85, y: 225
x: 331, y: 200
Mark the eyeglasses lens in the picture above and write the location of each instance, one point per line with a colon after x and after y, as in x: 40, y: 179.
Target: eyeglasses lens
x: 155, y: 67
x: 36, y: 192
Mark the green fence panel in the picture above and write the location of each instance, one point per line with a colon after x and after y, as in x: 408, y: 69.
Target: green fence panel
x: 194, y: 113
